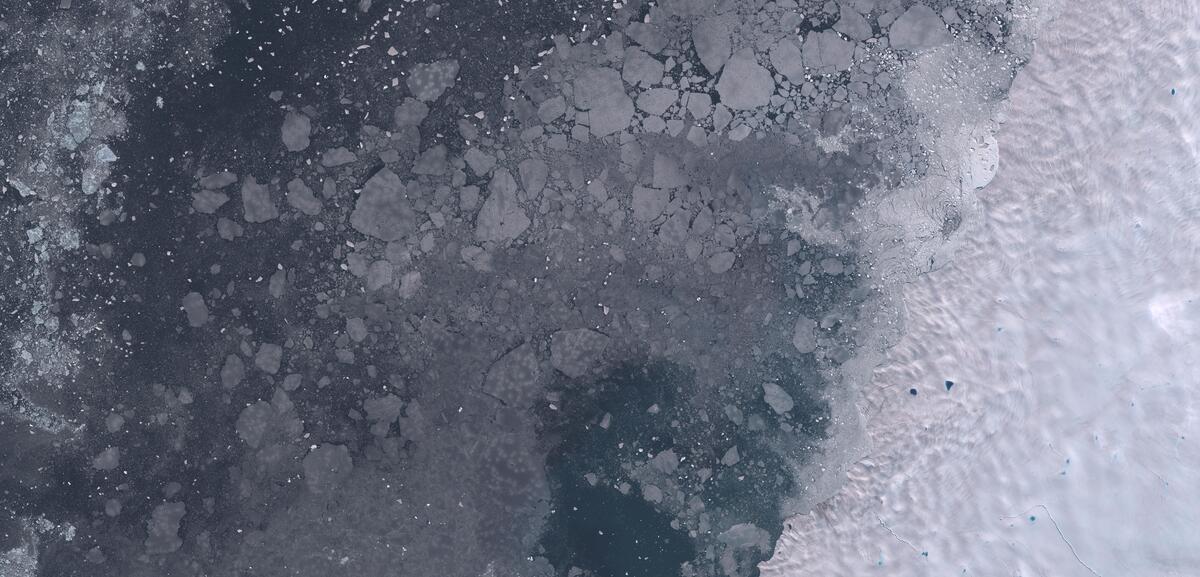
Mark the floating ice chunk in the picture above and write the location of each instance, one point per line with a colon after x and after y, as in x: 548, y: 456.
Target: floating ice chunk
x: 731, y: 457
x: 410, y: 283
x: 551, y: 109
x: 780, y: 401
x: 641, y: 69
x: 380, y: 274
x: 713, y: 44
x: 601, y: 92
x: 268, y: 425
x: 427, y: 82
x: 326, y: 466
x: 574, y: 352
x: 277, y: 284
x: 674, y: 230
x: 654, y: 124
x: 657, y: 100
x: 699, y: 105
x: 233, y: 371
x: 208, y: 201
x: 788, y: 60
x: 108, y: 459
x: 739, y: 132
x: 648, y: 202
x: 295, y: 131
x: 476, y: 258
x: 218, y: 180
x: 721, y: 262
x: 79, y: 121
x: 721, y: 117
x: 382, y: 412
x: 852, y: 24
x: 432, y: 161
x: 533, y: 173
x: 744, y: 535
x: 163, y: 529
x: 227, y: 229
x: 268, y: 358
x: 745, y: 84
x: 382, y: 209
x: 301, y: 197
x: 514, y: 377
x: 502, y: 218
x: 597, y: 187
x: 105, y: 155
x: 665, y: 462
x: 648, y: 35
x: 356, y: 329
x: 827, y: 52
x: 22, y: 188
x: 194, y: 307
x: 667, y: 173
x: 257, y: 205
x: 804, y: 335
x: 919, y: 27
x: 337, y: 156
x: 410, y: 113
x: 480, y: 162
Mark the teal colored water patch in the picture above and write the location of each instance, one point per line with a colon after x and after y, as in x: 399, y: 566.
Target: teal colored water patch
x: 600, y: 528
x: 616, y: 514
x: 610, y: 533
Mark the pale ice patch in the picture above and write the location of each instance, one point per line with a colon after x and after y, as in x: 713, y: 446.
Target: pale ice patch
x: 745, y: 84
x: 601, y: 93
x: 429, y: 81
x: 1066, y: 445
x: 919, y: 27
x: 21, y: 561
x: 1177, y: 313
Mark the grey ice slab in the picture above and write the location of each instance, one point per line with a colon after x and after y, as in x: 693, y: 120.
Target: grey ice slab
x: 601, y: 92
x: 502, y: 217
x: 196, y: 310
x: 713, y: 44
x: 744, y: 83
x: 919, y: 27
x: 295, y: 131
x: 428, y: 82
x: 257, y: 205
x: 382, y: 209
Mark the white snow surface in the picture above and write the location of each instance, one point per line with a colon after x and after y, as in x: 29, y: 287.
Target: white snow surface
x: 1068, y: 321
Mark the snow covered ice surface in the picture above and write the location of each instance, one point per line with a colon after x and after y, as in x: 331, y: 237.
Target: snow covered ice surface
x: 1067, y: 325
x: 682, y: 288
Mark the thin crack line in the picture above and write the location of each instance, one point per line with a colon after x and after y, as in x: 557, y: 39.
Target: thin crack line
x: 1061, y: 535
x: 898, y: 538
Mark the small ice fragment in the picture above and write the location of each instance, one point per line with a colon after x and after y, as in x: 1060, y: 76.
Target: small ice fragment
x: 295, y: 131
x: 731, y: 457
x: 269, y: 357
x: 108, y: 459
x: 779, y: 400
x: 197, y: 311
